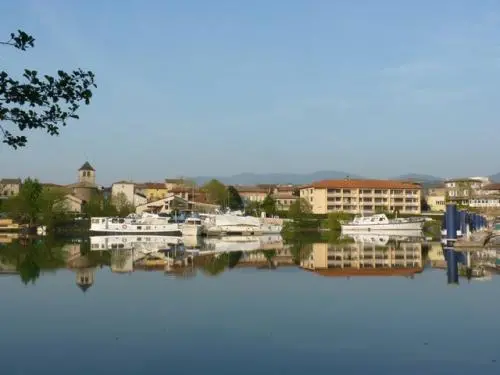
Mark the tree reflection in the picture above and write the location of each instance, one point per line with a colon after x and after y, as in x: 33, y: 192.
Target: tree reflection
x: 234, y: 258
x: 29, y: 256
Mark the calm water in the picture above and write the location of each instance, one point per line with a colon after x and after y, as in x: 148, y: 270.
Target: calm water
x: 336, y: 311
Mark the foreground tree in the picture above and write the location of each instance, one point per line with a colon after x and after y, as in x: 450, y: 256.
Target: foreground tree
x: 122, y: 204
x: 252, y: 208
x: 27, y: 205
x: 269, y: 205
x: 37, y: 205
x: 299, y: 208
x: 234, y: 201
x: 39, y: 102
x: 216, y: 192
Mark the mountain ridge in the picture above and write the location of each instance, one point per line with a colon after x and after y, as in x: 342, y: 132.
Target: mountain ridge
x: 248, y: 178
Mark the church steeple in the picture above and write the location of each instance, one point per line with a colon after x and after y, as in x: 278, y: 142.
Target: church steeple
x: 86, y: 174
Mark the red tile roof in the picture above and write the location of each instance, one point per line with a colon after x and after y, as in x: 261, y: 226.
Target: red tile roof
x: 365, y: 184
x: 492, y: 187
x: 252, y: 189
x: 151, y: 185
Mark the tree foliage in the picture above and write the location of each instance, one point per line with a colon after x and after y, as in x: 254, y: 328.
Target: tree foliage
x: 216, y: 192
x: 37, y: 205
x: 122, y: 204
x: 39, y: 102
x: 234, y: 201
x: 253, y: 208
x: 299, y: 208
x: 26, y: 206
x: 269, y: 205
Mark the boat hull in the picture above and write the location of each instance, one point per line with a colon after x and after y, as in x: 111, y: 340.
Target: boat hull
x: 192, y: 230
x: 243, y: 230
x: 136, y: 228
x: 372, y: 227
x: 131, y: 241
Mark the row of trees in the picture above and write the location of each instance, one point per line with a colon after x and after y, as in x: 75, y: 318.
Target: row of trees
x: 226, y: 197
x: 35, y: 205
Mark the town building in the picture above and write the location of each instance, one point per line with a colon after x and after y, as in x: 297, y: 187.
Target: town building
x: 461, y: 190
x: 10, y: 187
x: 175, y: 202
x: 436, y: 199
x: 487, y: 197
x: 152, y: 190
x: 253, y: 193
x: 285, y: 196
x: 171, y: 183
x: 362, y: 196
x: 86, y: 187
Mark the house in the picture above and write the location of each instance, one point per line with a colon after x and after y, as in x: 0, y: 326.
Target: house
x: 253, y: 193
x: 73, y: 203
x: 436, y: 199
x: 487, y: 197
x: 460, y: 190
x: 152, y: 190
x: 172, y: 183
x: 284, y: 195
x: 284, y: 200
x: 127, y: 188
x: 174, y: 202
x: 10, y: 187
x: 362, y: 196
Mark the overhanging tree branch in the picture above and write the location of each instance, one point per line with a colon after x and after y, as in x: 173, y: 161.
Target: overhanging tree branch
x: 40, y: 102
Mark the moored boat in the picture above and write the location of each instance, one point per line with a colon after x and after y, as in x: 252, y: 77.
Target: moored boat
x: 144, y: 223
x: 381, y: 222
x: 231, y: 224
x: 192, y: 226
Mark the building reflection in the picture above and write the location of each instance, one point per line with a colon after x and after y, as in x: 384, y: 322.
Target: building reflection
x: 472, y: 265
x: 368, y: 255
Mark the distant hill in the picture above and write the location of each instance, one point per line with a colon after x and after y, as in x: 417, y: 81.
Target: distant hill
x: 495, y: 177
x: 427, y: 181
x: 275, y: 178
x: 418, y: 177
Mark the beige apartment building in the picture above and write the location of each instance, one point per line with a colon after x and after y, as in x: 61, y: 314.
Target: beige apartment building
x: 371, y: 258
x: 363, y: 196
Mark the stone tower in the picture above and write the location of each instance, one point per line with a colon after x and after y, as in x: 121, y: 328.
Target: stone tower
x: 85, y: 278
x: 86, y: 174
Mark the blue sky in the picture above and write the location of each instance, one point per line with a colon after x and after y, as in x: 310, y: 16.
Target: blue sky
x: 195, y: 87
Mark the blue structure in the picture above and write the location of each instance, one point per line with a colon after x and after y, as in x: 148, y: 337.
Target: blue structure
x: 451, y: 224
x: 453, y: 258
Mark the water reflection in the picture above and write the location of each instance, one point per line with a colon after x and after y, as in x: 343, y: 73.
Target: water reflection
x: 360, y: 254
x: 367, y: 255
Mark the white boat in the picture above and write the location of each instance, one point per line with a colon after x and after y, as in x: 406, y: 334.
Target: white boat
x: 380, y: 222
x: 192, y: 226
x: 382, y: 238
x: 226, y: 224
x: 143, y: 223
x: 226, y: 244
x: 133, y: 242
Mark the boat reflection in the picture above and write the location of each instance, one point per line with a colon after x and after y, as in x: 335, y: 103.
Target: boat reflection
x: 359, y: 254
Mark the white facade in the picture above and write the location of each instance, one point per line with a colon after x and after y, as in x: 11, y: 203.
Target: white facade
x: 485, y: 202
x: 139, y: 199
x: 127, y: 188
